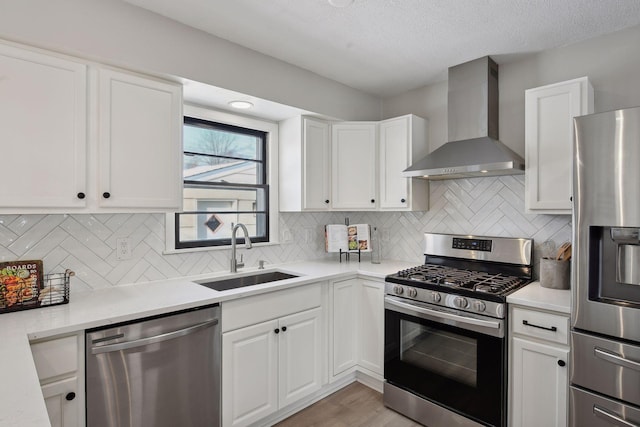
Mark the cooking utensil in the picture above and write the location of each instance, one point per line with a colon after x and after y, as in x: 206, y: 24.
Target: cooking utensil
x: 564, y: 252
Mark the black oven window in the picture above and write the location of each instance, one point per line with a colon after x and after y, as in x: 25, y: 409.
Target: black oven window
x: 441, y: 352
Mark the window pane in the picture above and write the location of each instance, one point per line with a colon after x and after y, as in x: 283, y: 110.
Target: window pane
x: 215, y: 169
x: 221, y: 142
x: 210, y: 213
x: 197, y: 227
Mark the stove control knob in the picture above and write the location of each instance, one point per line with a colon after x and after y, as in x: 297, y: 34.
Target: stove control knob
x: 460, y: 302
x: 435, y: 297
x: 479, y: 306
x: 412, y: 292
x: 398, y: 289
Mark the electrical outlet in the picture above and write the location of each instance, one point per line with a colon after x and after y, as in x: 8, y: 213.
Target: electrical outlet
x: 286, y: 236
x: 123, y: 248
x: 385, y: 235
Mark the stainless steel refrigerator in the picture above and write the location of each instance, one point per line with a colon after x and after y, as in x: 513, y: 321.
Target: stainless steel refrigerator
x: 605, y: 337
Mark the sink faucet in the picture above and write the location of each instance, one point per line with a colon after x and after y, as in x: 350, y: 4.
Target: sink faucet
x: 247, y: 244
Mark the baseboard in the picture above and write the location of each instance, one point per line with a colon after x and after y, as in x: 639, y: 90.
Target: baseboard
x: 370, y: 379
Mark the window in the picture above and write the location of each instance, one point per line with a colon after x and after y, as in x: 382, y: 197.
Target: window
x: 225, y: 183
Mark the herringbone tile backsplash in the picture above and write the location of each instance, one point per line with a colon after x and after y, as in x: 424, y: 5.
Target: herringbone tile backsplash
x: 86, y: 243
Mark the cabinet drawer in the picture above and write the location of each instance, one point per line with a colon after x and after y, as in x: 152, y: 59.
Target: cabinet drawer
x: 55, y: 358
x: 260, y: 308
x: 542, y: 325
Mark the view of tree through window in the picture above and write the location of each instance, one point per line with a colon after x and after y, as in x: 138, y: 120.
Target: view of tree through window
x: 224, y: 172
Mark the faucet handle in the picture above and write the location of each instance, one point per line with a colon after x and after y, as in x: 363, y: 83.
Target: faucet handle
x: 261, y: 264
x: 241, y: 262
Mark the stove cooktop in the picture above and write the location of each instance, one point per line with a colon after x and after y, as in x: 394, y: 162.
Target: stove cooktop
x: 453, y: 278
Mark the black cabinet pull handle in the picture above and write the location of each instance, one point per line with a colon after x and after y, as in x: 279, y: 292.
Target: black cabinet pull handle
x: 284, y: 329
x: 70, y: 396
x: 106, y: 195
x: 276, y: 330
x: 561, y: 363
x: 402, y: 200
x: 552, y: 329
x: 81, y: 195
x: 373, y: 200
x: 327, y: 201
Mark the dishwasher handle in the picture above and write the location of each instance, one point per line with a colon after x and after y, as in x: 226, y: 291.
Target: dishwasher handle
x: 154, y: 339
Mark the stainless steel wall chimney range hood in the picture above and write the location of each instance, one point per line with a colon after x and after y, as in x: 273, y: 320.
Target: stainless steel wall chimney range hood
x: 474, y: 149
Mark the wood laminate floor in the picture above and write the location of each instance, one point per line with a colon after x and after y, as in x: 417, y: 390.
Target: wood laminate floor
x: 355, y: 405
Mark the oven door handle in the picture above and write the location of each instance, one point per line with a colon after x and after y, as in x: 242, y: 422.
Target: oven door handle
x: 492, y: 327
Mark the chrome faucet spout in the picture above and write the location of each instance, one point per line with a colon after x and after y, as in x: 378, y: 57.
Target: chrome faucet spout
x: 247, y: 244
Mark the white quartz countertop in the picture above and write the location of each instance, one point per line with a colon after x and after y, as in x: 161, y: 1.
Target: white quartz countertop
x: 535, y: 296
x: 21, y: 400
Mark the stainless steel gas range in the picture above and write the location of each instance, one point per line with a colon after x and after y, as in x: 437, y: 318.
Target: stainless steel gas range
x: 445, y: 330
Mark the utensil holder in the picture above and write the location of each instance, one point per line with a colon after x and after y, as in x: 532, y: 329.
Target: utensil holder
x: 555, y: 274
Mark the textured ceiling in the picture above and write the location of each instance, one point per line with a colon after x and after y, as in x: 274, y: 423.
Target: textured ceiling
x: 386, y: 47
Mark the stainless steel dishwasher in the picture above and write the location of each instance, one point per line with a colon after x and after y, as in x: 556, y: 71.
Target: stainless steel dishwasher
x: 156, y: 372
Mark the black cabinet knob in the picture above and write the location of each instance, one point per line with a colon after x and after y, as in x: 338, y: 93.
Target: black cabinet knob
x: 373, y: 200
x: 106, y: 195
x: 327, y: 201
x: 70, y: 396
x: 81, y: 196
x: 276, y: 330
x: 571, y: 199
x: 561, y: 363
x: 284, y: 329
x: 402, y: 200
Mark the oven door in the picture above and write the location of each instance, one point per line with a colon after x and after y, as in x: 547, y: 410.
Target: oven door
x: 448, y: 358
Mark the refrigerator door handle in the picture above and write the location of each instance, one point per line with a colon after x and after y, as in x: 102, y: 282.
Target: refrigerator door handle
x: 616, y: 359
x: 612, y: 417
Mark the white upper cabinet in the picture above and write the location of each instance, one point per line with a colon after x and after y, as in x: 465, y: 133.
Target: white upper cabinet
x: 140, y: 121
x: 304, y: 165
x: 81, y: 137
x: 549, y: 143
x: 43, y: 130
x: 354, y: 174
x: 351, y: 165
x: 403, y: 140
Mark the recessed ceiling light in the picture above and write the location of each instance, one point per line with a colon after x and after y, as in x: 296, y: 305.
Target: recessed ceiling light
x: 340, y: 3
x: 484, y: 171
x: 242, y: 105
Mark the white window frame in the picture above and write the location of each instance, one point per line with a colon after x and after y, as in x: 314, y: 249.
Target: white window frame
x: 271, y: 128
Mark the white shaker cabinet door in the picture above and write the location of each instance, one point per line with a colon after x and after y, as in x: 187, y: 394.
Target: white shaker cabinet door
x: 345, y: 326
x: 549, y: 143
x: 371, y: 326
x: 316, y: 145
x: 354, y: 179
x: 539, y: 384
x: 403, y: 140
x: 43, y: 130
x: 250, y: 375
x: 140, y: 142
x: 301, y: 355
x: 62, y: 402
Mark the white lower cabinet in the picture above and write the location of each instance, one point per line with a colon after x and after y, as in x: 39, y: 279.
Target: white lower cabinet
x: 357, y: 327
x: 539, y: 368
x: 60, y: 366
x: 271, y: 364
x: 344, y: 327
x: 371, y: 326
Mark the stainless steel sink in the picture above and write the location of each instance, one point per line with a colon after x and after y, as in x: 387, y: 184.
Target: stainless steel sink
x: 242, y: 281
